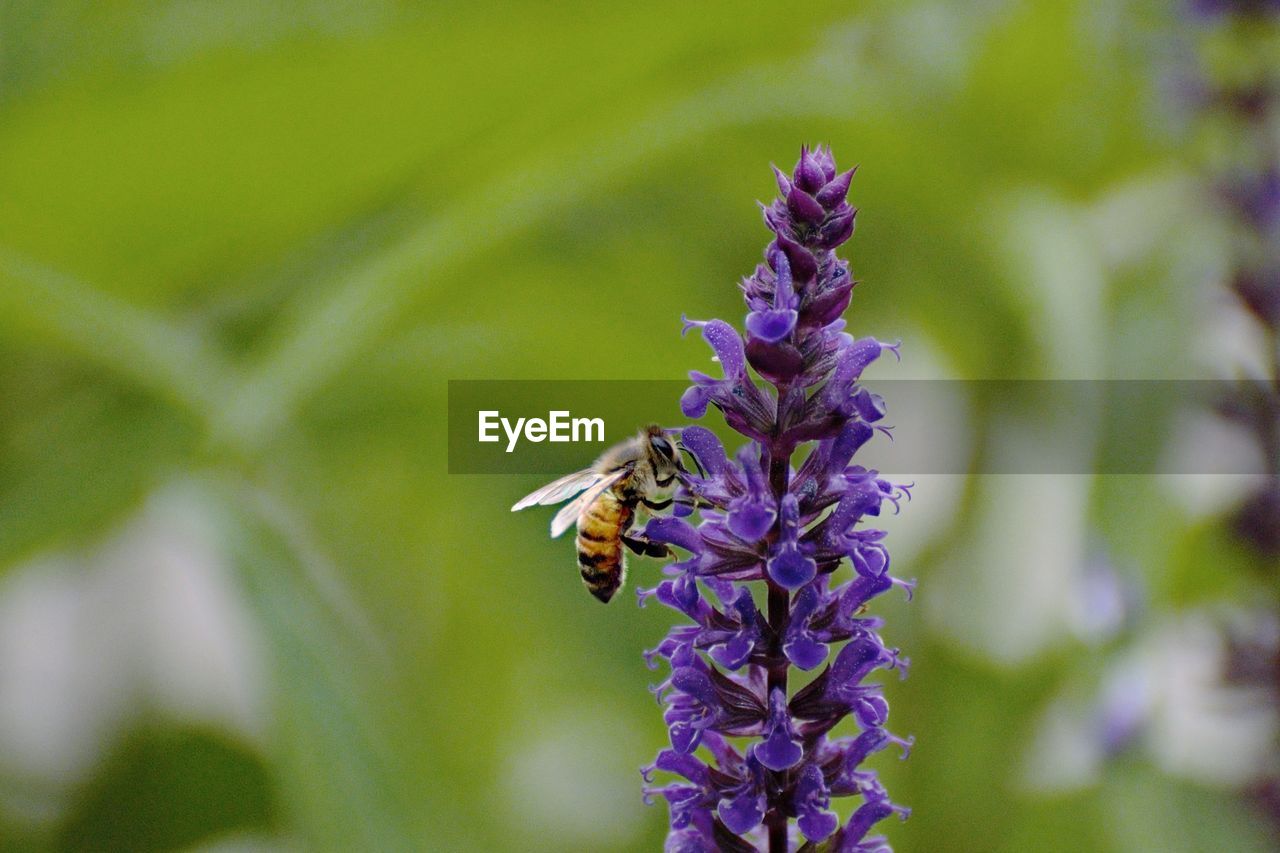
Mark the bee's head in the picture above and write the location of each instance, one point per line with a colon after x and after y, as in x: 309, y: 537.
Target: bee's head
x: 663, y: 454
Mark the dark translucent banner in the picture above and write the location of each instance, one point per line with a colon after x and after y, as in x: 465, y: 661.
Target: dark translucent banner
x: 937, y: 426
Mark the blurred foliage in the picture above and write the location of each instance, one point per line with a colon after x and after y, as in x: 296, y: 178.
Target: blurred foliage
x: 243, y: 247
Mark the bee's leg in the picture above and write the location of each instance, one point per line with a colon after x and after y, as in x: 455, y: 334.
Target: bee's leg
x: 662, y: 505
x: 698, y: 503
x: 645, y: 547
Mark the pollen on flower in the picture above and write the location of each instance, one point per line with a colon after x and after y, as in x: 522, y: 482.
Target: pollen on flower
x: 752, y: 762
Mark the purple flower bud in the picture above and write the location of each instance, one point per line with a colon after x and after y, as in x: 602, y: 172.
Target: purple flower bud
x: 836, y: 190
x: 804, y: 206
x: 802, y: 263
x: 808, y: 174
x: 838, y: 228
x: 784, y: 183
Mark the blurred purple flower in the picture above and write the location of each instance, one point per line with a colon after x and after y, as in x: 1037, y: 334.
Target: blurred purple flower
x: 1250, y: 191
x: 1224, y: 8
x: 785, y: 529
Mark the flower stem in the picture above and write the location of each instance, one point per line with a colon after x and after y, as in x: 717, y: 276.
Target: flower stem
x: 779, y: 607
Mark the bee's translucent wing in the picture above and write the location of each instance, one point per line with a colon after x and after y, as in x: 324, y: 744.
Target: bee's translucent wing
x: 569, y: 513
x: 561, y: 490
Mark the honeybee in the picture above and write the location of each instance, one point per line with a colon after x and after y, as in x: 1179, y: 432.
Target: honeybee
x: 641, y: 470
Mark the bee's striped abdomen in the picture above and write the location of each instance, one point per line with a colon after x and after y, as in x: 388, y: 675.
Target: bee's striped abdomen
x: 600, y: 558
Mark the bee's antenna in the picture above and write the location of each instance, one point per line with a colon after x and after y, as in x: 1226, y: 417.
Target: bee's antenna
x: 680, y: 463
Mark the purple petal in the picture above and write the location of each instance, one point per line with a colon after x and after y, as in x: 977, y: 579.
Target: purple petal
x: 727, y: 343
x: 791, y: 569
x: 870, y: 407
x: 872, y: 740
x: 847, y: 443
x: 805, y: 652
x: 771, y: 326
x: 733, y: 654
x: 685, y: 591
x: 694, y: 401
x: 811, y: 801
x: 697, y: 684
x: 818, y: 825
x: 751, y: 521
x: 742, y: 812
x: 674, y: 531
x: 686, y: 765
x: 871, y: 561
x: 871, y: 711
x: 704, y: 445
x: 862, y: 589
x: 778, y: 751
x: 684, y: 736
x: 855, y: 661
x: 863, y: 819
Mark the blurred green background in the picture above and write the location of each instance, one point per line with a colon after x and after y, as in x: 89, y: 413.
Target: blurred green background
x: 243, y: 247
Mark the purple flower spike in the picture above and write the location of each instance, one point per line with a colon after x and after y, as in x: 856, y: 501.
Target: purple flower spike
x: 1241, y: 96
x: 780, y: 561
